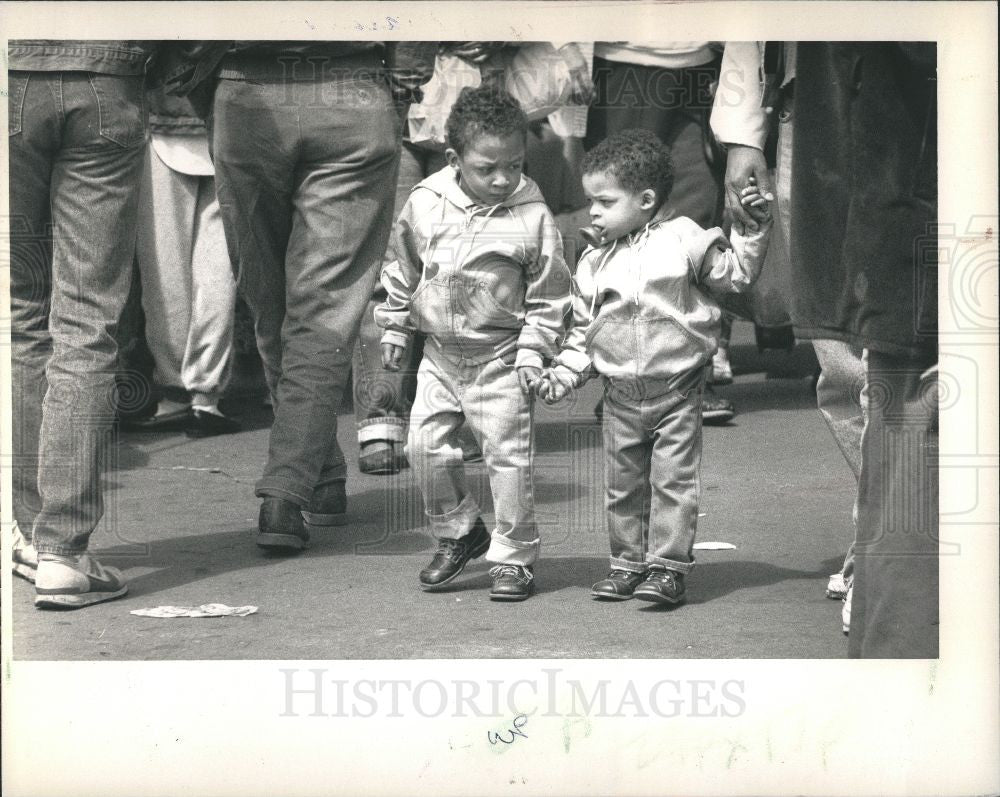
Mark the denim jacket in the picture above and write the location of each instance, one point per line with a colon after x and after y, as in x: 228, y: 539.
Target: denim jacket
x: 643, y: 307
x: 80, y: 55
x: 480, y: 281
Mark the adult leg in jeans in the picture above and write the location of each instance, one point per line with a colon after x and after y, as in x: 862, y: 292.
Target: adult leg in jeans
x: 382, y: 398
x: 895, y: 596
x: 76, y: 145
x: 307, y: 210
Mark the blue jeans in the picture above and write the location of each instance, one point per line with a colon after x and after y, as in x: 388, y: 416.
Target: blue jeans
x: 895, y: 611
x: 305, y: 173
x: 382, y: 398
x: 652, y: 472
x: 76, y: 142
x: 489, y: 400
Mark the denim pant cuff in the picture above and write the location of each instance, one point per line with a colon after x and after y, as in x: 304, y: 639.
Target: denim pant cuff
x: 263, y: 491
x: 627, y: 564
x: 387, y: 428
x: 670, y: 564
x: 505, y: 551
x: 455, y: 523
x: 59, y: 550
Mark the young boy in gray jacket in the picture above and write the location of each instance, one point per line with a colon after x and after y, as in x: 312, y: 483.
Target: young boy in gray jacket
x: 644, y: 319
x: 480, y: 272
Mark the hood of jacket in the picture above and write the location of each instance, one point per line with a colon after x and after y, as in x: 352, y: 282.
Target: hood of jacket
x: 444, y: 184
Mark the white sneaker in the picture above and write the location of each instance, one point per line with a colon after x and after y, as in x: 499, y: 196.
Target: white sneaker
x: 836, y: 587
x: 722, y: 371
x: 24, y: 555
x: 845, y: 612
x: 69, y: 582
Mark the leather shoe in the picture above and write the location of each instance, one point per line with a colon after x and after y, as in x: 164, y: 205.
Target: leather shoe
x: 511, y: 583
x: 661, y: 586
x: 202, y: 423
x: 280, y: 527
x: 453, y: 555
x: 328, y: 506
x: 618, y: 586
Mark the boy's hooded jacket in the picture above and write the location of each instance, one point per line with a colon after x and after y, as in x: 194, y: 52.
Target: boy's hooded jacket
x: 643, y: 307
x: 480, y: 281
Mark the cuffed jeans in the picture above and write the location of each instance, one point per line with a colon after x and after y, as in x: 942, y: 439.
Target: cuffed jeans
x: 305, y: 172
x: 652, y: 448
x: 894, y: 612
x: 76, y: 142
x: 382, y: 398
x: 488, y: 398
x: 188, y: 291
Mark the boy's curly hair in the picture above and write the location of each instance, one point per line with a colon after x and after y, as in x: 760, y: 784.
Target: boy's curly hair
x: 486, y: 109
x: 638, y: 159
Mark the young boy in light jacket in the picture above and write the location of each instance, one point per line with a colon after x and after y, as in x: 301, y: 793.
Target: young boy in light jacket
x: 479, y: 271
x: 645, y: 320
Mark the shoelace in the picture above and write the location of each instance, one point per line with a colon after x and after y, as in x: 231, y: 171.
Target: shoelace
x: 512, y: 570
x: 622, y: 575
x: 453, y: 549
x: 660, y: 576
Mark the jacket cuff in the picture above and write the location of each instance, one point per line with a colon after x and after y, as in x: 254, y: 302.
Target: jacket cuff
x: 575, y: 361
x: 528, y: 357
x: 397, y: 337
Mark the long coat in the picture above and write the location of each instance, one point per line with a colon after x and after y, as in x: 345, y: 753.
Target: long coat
x: 864, y: 195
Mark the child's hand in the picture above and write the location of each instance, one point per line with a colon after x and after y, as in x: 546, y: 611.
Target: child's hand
x: 555, y: 386
x: 528, y: 376
x: 392, y: 356
x: 754, y: 203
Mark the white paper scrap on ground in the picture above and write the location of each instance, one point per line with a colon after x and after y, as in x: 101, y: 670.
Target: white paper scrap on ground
x: 205, y: 610
x: 714, y: 546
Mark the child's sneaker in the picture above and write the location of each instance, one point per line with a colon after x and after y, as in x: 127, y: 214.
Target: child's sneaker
x: 24, y: 555
x: 618, y: 586
x: 511, y: 583
x: 836, y: 587
x: 661, y: 586
x: 69, y: 582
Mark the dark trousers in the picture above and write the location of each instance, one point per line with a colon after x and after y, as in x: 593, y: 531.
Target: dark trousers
x: 76, y: 143
x: 305, y: 172
x: 674, y: 104
x: 894, y: 611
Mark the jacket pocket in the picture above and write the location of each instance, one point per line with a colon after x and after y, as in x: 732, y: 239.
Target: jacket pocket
x: 121, y: 105
x: 612, y: 340
x: 428, y: 306
x: 483, y: 309
x: 17, y: 86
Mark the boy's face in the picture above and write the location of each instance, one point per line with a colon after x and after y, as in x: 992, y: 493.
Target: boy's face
x: 490, y: 168
x: 616, y: 211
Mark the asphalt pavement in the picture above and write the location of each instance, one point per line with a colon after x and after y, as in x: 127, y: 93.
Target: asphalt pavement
x: 181, y: 517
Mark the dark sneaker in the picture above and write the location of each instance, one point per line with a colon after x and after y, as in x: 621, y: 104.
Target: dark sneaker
x: 328, y: 506
x: 203, y: 423
x: 453, y: 555
x: 24, y: 555
x: 280, y: 527
x: 382, y: 458
x: 715, y: 409
x: 618, y: 586
x: 661, y: 586
x: 71, y: 582
x: 511, y: 583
